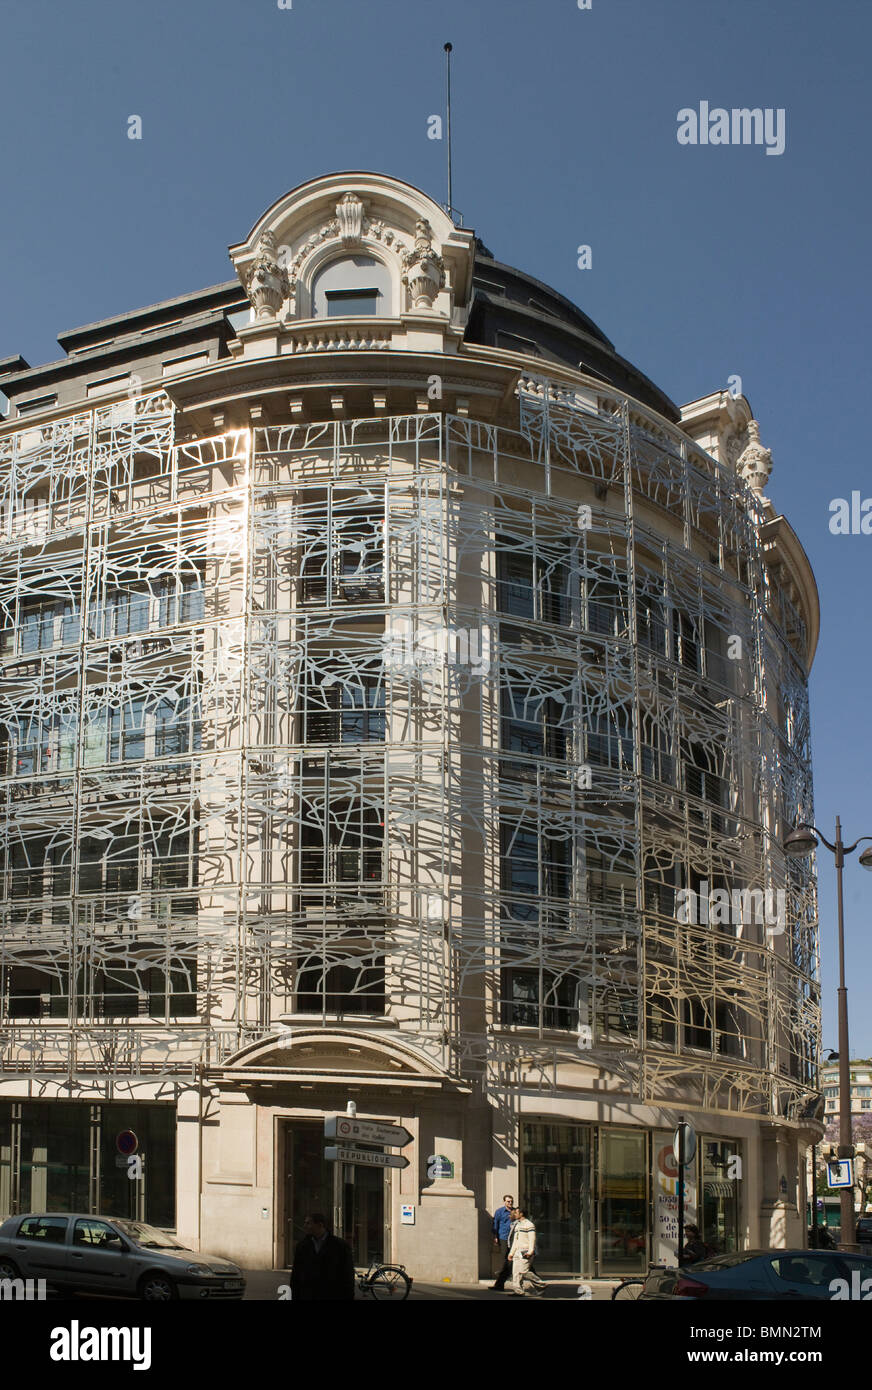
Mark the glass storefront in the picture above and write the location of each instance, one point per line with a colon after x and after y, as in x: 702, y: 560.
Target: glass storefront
x: 55, y: 1157
x: 603, y: 1199
x: 557, y: 1189
x: 61, y: 1156
x: 155, y: 1128
x: 623, y: 1194
x: 719, y: 1193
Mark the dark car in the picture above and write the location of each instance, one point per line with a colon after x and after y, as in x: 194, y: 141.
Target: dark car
x: 105, y: 1254
x: 864, y: 1231
x: 750, y: 1275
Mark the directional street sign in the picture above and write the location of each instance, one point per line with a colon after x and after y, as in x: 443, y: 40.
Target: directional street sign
x: 338, y: 1153
x: 350, y: 1131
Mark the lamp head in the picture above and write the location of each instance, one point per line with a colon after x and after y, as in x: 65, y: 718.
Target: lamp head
x: 866, y: 857
x: 799, y: 843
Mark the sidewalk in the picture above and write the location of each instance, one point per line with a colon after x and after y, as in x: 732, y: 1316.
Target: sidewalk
x: 264, y: 1284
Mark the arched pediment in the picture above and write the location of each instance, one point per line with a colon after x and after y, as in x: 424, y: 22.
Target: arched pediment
x: 429, y: 259
x: 329, y: 1051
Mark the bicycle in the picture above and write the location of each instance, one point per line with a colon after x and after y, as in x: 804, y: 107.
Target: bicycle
x: 384, y: 1282
x: 631, y: 1288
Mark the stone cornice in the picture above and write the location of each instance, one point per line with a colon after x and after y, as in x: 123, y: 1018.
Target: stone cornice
x: 783, y: 545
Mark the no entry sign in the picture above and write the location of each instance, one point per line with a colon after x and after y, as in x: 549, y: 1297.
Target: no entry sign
x: 126, y: 1142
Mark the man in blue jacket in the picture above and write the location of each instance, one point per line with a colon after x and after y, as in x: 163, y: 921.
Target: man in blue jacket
x: 502, y: 1228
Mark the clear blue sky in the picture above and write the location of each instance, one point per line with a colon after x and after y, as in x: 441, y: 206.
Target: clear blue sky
x: 707, y: 261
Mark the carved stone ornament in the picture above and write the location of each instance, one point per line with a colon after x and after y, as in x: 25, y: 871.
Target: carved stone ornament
x: 268, y: 283
x: 349, y: 215
x: 424, y: 270
x: 733, y: 449
x: 755, y: 463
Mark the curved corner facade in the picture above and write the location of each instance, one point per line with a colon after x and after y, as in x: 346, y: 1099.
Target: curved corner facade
x: 403, y: 703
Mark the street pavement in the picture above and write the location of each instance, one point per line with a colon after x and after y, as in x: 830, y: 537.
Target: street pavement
x: 264, y: 1285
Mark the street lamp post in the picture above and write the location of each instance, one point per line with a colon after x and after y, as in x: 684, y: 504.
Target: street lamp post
x: 800, y: 842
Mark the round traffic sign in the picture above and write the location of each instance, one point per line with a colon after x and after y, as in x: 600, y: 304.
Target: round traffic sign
x: 126, y: 1142
x: 689, y: 1141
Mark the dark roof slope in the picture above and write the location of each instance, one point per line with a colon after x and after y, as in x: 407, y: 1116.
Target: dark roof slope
x: 515, y: 311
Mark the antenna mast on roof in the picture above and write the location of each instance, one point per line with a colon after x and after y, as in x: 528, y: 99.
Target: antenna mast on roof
x: 448, y: 48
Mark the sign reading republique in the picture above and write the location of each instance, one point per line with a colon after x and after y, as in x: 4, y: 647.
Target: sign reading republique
x: 337, y: 1153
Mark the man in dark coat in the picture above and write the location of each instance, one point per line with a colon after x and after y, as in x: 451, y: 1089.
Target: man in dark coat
x: 323, y: 1265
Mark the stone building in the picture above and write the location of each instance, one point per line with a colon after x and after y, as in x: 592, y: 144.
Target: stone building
x: 402, y: 702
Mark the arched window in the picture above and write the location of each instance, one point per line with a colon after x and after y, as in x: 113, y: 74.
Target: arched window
x: 352, y: 285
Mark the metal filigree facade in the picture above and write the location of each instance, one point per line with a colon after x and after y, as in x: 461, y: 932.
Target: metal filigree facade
x: 412, y: 718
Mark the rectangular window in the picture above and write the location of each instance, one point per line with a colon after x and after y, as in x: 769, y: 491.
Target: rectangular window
x: 362, y: 716
x: 348, y: 980
x: 182, y: 602
x: 127, y: 613
x: 557, y: 1192
x: 532, y: 724
x: 685, y: 641
x: 345, y: 303
x: 347, y: 849
x: 719, y: 1204
x: 651, y: 623
x: 605, y: 615
x: 538, y: 999
x: 532, y: 585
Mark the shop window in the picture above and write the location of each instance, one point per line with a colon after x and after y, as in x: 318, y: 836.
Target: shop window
x: 59, y: 1156
x: 721, y: 1173
x: 623, y: 1193
x: 155, y: 1130
x: 557, y: 1194
x: 54, y: 1157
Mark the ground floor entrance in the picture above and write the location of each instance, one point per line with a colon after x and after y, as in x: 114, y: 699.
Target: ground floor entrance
x: 352, y: 1198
